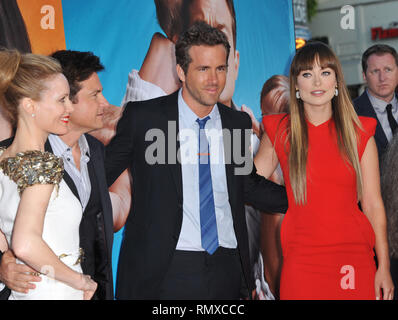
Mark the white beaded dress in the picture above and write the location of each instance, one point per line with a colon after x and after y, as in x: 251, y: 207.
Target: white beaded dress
x: 61, y: 223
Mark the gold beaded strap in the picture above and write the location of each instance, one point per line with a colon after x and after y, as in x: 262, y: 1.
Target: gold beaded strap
x: 33, y: 167
x: 80, y: 256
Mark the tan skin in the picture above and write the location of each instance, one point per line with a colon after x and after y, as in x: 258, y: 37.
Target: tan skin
x: 5, y: 126
x: 205, y: 78
x: 159, y: 64
x: 316, y: 87
x: 381, y: 76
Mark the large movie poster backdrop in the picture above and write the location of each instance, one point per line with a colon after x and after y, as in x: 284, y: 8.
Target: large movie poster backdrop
x: 136, y: 46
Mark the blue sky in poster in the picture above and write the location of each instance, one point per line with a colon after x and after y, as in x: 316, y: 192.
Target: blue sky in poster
x: 119, y: 32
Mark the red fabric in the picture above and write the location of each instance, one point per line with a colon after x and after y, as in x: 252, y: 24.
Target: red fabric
x: 328, y: 235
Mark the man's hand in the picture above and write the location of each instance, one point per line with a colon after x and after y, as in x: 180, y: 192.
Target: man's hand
x: 17, y: 277
x: 112, y: 115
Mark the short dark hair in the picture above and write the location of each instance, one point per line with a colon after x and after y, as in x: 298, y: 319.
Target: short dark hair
x: 200, y: 33
x: 77, y: 66
x: 377, y: 49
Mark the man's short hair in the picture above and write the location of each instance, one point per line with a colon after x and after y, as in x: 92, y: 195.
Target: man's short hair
x: 377, y: 49
x: 77, y: 66
x: 200, y: 33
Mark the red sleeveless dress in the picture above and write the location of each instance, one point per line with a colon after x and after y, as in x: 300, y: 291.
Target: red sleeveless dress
x: 327, y: 243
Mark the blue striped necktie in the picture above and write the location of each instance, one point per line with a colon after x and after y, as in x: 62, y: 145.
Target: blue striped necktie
x: 208, y: 224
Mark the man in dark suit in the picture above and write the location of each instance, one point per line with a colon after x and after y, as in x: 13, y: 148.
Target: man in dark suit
x: 186, y: 236
x: 83, y: 157
x: 379, y: 101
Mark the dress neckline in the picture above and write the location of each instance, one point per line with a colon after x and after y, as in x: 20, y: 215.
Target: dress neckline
x: 319, y: 125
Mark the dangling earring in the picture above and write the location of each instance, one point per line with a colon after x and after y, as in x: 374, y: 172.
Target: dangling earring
x: 336, y: 92
x: 297, y: 94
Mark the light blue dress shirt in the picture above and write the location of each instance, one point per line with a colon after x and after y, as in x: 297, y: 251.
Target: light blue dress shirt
x: 190, y: 235
x: 380, y: 109
x: 80, y: 177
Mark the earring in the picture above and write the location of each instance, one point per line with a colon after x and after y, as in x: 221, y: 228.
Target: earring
x: 336, y: 92
x: 298, y: 94
x: 33, y: 115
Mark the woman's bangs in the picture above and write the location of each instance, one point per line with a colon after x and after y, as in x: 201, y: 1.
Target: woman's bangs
x: 311, y: 55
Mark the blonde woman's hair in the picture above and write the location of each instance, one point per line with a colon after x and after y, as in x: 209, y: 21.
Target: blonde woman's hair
x: 23, y: 76
x: 345, y: 118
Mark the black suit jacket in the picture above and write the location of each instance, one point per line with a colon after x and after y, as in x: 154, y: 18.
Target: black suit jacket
x: 97, y: 160
x: 154, y: 223
x: 364, y: 107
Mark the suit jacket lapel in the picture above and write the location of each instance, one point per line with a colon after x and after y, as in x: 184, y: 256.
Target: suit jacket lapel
x: 369, y: 111
x: 97, y: 164
x: 171, y: 127
x: 67, y: 177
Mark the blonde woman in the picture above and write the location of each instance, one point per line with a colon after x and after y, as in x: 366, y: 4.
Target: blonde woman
x: 39, y: 215
x: 329, y: 163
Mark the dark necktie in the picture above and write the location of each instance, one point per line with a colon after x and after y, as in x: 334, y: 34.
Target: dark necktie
x: 391, y: 120
x: 208, y: 223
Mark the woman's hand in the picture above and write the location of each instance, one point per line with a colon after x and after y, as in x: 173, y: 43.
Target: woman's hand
x: 88, y: 286
x: 384, y: 284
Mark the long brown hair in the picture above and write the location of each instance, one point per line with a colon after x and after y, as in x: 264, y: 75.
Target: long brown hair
x: 344, y: 116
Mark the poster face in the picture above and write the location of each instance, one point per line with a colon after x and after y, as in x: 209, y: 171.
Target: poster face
x: 133, y: 42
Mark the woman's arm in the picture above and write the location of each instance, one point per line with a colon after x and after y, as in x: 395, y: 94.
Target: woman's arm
x: 3, y: 242
x: 29, y: 246
x: 373, y: 208
x: 266, y: 160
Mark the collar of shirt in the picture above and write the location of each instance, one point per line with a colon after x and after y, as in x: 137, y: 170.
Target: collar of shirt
x: 380, y: 105
x: 61, y: 149
x: 188, y: 117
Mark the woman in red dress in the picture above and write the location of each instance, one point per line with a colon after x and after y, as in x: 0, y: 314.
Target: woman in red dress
x: 329, y: 161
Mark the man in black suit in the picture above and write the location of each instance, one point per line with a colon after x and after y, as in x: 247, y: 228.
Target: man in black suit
x: 83, y: 157
x: 186, y: 236
x: 379, y: 101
